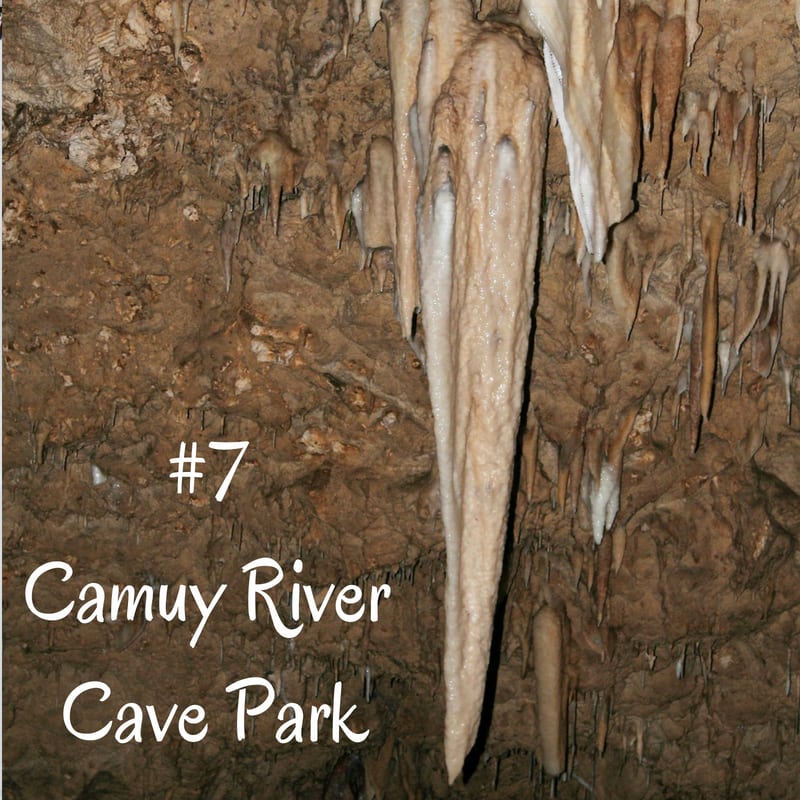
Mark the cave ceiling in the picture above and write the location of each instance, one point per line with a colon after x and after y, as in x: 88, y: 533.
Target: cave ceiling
x: 505, y: 304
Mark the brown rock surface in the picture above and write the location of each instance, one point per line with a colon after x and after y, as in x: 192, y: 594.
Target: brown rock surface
x: 125, y: 141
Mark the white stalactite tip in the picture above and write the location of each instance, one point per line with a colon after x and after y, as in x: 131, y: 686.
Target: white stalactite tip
x: 588, y: 85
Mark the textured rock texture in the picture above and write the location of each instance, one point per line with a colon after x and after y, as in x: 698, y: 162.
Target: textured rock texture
x: 128, y: 185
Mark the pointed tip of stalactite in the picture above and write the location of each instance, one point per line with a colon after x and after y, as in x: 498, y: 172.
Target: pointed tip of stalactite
x: 453, y: 771
x: 464, y: 704
x: 619, y: 538
x: 455, y: 753
x: 586, y: 277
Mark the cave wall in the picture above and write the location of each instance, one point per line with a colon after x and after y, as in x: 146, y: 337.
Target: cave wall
x: 127, y: 144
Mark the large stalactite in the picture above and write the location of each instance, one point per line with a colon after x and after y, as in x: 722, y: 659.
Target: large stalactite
x: 479, y: 237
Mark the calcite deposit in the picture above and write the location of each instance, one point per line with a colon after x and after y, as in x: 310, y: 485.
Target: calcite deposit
x: 519, y: 511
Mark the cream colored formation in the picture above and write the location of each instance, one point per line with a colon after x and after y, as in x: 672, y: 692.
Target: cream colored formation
x: 478, y: 237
